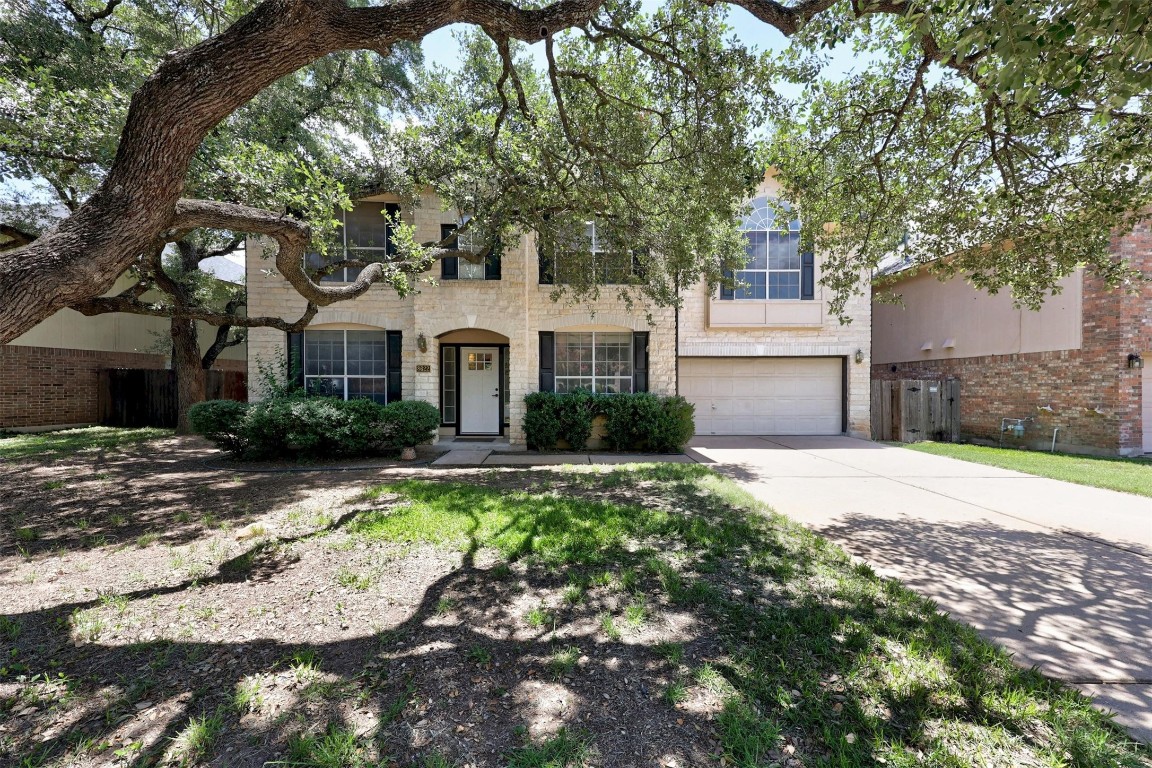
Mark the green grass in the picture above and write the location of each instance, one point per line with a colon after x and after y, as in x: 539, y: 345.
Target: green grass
x: 1114, y: 474
x: 336, y: 747
x: 866, y: 671
x: 28, y: 444
x: 567, y: 749
x: 197, y: 738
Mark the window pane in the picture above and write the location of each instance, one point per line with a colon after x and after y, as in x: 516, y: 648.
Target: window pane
x: 783, y: 285
x: 757, y: 250
x: 571, y: 384
x: 365, y: 226
x: 783, y: 250
x: 323, y: 353
x: 573, y: 354
x: 368, y: 389
x: 615, y: 385
x: 613, y: 354
x: 367, y: 353
x: 324, y: 386
x: 448, y: 386
x: 467, y: 270
x: 750, y: 285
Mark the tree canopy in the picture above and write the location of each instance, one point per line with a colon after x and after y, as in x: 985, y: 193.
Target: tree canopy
x: 1005, y: 136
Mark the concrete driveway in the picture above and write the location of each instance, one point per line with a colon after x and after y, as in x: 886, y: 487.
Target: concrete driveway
x: 1059, y: 574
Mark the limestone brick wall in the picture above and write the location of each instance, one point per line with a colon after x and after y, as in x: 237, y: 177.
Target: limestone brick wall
x: 830, y: 338
x: 518, y: 308
x: 515, y: 306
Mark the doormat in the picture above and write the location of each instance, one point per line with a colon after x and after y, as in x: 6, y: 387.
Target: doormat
x: 473, y: 439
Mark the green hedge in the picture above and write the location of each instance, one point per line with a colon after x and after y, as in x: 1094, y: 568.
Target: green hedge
x: 638, y: 422
x: 313, y: 427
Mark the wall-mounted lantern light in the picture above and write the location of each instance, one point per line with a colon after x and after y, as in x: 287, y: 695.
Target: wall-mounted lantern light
x: 1135, y: 361
x: 859, y: 356
x: 422, y: 343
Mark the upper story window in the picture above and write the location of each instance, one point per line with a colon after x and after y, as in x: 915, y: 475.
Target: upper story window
x: 776, y: 267
x: 609, y: 265
x: 366, y: 235
x: 459, y: 268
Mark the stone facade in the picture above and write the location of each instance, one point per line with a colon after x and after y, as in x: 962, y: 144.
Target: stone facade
x: 1095, y: 398
x: 50, y: 387
x: 518, y: 308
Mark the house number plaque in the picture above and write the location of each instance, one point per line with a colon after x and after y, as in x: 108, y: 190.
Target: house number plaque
x: 423, y: 369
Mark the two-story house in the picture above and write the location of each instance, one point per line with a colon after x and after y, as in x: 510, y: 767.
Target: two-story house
x: 764, y: 358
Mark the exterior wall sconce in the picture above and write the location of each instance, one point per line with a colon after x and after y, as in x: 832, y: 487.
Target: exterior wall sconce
x: 1135, y: 361
x: 422, y: 343
x: 859, y: 356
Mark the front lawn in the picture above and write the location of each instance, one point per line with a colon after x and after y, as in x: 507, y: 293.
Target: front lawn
x: 23, y: 445
x: 1115, y: 474
x: 650, y: 615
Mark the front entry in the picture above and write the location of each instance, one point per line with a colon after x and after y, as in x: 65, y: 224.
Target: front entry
x: 480, y: 390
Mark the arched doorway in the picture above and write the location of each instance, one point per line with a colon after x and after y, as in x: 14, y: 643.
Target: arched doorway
x: 474, y: 381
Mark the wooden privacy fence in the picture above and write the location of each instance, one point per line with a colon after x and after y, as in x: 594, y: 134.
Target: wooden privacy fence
x: 140, y: 397
x: 912, y: 410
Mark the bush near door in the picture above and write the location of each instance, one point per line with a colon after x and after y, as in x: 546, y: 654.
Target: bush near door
x: 633, y: 422
x: 313, y: 427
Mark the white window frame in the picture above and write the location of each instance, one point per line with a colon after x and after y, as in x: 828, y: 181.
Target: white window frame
x: 345, y: 376
x: 762, y: 219
x: 593, y: 377
x: 341, y: 275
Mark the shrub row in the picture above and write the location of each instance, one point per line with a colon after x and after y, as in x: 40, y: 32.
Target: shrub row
x: 637, y: 422
x: 313, y: 427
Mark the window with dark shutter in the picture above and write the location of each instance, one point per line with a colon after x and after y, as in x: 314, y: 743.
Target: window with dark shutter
x: 395, y: 380
x: 492, y: 263
x: 807, y: 276
x: 449, y: 267
x: 547, y: 361
x: 296, y: 359
x: 640, y: 362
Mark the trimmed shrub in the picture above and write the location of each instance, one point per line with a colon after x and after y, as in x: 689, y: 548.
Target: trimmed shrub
x: 636, y: 422
x: 221, y: 421
x: 318, y: 427
x: 407, y: 423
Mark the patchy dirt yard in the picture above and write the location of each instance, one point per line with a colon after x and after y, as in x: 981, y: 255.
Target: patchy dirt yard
x: 159, y: 611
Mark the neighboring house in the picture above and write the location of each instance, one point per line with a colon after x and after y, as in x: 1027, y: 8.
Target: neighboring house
x: 50, y: 374
x: 766, y: 359
x: 1072, y: 366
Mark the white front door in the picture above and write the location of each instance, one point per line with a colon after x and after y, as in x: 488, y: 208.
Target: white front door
x: 480, y: 390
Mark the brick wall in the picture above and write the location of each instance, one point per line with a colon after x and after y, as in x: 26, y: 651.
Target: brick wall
x: 43, y: 386
x: 1095, y: 398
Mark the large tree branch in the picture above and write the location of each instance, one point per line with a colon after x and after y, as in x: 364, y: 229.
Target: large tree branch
x: 103, y: 305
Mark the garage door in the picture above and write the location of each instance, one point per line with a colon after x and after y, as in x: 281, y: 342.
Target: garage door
x: 765, y: 395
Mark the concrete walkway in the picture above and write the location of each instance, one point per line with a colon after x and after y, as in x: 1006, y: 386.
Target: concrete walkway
x: 1059, y: 574
x: 483, y: 457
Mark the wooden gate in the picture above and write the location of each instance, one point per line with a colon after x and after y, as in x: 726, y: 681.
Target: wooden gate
x: 141, y: 397
x: 912, y: 410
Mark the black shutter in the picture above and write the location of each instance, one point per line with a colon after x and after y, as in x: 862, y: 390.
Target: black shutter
x: 296, y: 359
x: 449, y: 267
x: 547, y: 273
x: 807, y: 276
x: 393, y: 211
x: 492, y: 263
x: 640, y: 362
x: 547, y: 361
x: 395, y: 380
x: 639, y: 270
x: 728, y: 292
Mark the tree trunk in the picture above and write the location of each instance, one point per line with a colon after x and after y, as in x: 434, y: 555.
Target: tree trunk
x: 190, y: 374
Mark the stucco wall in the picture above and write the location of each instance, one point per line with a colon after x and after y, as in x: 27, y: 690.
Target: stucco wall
x: 114, y: 332
x: 974, y: 323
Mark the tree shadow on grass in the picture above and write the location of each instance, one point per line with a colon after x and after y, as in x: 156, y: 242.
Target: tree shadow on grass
x: 802, y: 650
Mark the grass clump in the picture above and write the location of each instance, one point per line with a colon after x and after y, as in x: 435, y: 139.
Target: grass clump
x: 336, y: 747
x: 567, y: 749
x: 196, y: 739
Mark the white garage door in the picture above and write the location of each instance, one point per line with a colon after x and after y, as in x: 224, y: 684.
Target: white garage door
x: 764, y: 395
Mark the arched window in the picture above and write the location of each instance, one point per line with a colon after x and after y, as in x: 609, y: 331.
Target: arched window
x: 775, y: 268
